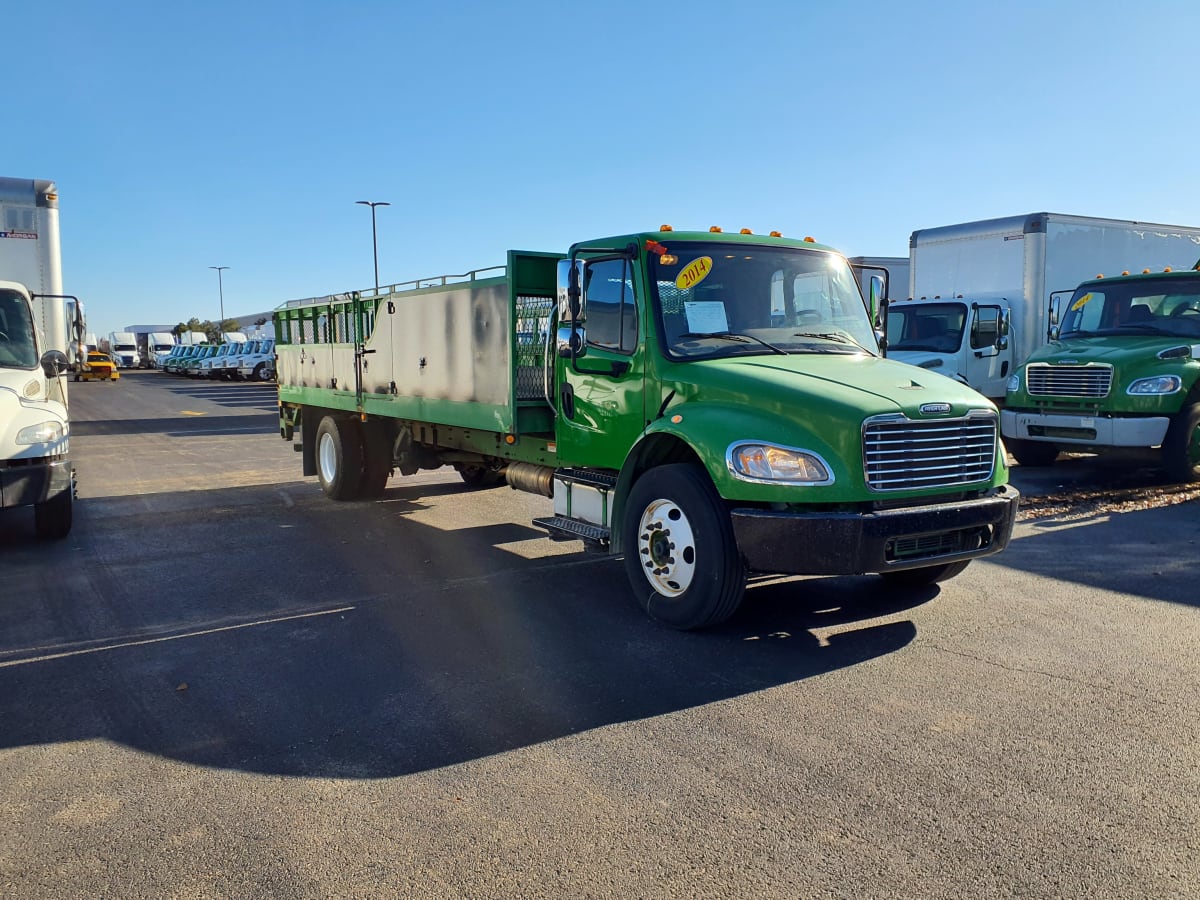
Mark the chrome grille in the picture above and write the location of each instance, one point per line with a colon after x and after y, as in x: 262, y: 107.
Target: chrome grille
x: 903, y: 454
x: 1045, y: 380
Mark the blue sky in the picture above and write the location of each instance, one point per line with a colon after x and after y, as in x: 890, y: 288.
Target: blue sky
x: 184, y: 135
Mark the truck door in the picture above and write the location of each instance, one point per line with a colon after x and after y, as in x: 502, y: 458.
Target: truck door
x: 989, y: 354
x: 601, y: 385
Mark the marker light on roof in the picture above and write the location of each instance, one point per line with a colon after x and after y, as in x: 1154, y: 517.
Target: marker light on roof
x: 1167, y: 269
x: 810, y: 240
x: 665, y: 228
x: 714, y: 229
x: 1145, y: 271
x: 745, y: 231
x: 780, y: 234
x: 1126, y: 272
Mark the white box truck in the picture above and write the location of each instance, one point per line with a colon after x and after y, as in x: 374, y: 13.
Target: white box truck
x: 980, y: 291
x: 40, y: 328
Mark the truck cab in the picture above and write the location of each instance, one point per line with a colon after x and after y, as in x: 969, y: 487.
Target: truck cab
x: 961, y: 338
x: 34, y: 427
x: 1122, y: 370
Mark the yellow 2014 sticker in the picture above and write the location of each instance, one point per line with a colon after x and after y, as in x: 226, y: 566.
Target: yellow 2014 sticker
x: 1078, y: 304
x: 694, y: 273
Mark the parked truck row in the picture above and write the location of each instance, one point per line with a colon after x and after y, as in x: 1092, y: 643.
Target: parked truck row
x: 709, y: 405
x: 235, y: 359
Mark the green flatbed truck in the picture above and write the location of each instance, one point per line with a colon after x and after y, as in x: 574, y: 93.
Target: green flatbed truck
x: 708, y: 405
x: 1122, y: 370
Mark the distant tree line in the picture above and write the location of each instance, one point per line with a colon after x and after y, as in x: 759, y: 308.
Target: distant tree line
x: 212, y: 330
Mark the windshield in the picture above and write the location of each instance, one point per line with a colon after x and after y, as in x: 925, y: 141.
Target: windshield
x: 741, y: 299
x: 18, y: 350
x: 1167, y: 306
x: 933, y: 327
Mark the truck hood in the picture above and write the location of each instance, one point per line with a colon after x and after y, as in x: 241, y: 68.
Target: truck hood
x: 1116, y: 350
x: 941, y: 363
x: 17, y: 413
x: 853, y: 386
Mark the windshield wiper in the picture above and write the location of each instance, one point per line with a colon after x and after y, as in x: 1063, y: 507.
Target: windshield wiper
x: 839, y: 337
x: 733, y: 336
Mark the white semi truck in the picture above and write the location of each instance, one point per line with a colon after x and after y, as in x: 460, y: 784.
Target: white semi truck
x: 41, y: 337
x: 980, y: 291
x: 122, y: 347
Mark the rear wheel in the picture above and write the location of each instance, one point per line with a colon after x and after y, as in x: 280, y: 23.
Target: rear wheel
x: 339, y: 458
x: 1181, y: 449
x: 923, y: 577
x: 1032, y: 453
x: 680, y: 555
x: 52, y: 519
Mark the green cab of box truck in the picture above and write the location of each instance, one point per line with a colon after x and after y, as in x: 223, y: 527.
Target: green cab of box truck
x: 707, y: 405
x: 1122, y: 370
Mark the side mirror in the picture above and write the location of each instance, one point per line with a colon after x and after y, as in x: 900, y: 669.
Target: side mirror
x: 569, y: 292
x: 878, y: 291
x: 54, y: 363
x: 571, y: 342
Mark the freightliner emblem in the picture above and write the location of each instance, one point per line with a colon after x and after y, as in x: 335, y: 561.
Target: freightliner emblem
x: 934, y: 409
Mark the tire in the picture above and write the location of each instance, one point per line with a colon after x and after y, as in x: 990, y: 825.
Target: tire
x: 1034, y: 454
x: 479, y: 476
x: 923, y: 577
x: 1181, y: 448
x: 260, y: 372
x: 52, y: 519
x: 339, y: 455
x: 377, y: 460
x: 680, y: 555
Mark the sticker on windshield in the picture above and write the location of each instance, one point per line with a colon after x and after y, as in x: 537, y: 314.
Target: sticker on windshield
x: 1078, y: 304
x: 706, y: 317
x: 694, y: 273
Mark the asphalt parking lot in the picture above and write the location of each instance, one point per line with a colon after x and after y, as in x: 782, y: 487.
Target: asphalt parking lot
x: 223, y: 684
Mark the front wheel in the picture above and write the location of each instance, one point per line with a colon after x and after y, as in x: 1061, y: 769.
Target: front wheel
x: 680, y: 555
x: 1035, y: 454
x: 339, y: 458
x: 925, y: 576
x: 1181, y: 449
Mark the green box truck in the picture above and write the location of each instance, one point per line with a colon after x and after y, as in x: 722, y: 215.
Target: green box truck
x: 1122, y: 370
x: 708, y: 405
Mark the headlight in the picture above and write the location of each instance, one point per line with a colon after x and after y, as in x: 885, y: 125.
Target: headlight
x: 767, y: 462
x: 42, y: 433
x: 1159, y: 384
x: 1013, y: 383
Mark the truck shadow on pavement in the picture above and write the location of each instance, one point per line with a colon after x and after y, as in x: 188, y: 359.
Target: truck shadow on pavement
x: 357, y: 641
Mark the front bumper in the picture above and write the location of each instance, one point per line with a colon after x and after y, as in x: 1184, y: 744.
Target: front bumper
x: 886, y: 540
x: 1099, y: 431
x: 34, y: 482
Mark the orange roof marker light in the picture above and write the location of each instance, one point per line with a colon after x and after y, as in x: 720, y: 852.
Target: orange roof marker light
x: 745, y: 231
x: 714, y: 229
x: 1167, y: 269
x: 665, y: 228
x: 1145, y: 271
x: 780, y: 234
x: 810, y: 240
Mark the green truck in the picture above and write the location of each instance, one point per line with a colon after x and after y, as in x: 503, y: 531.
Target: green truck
x: 708, y: 405
x: 1122, y: 370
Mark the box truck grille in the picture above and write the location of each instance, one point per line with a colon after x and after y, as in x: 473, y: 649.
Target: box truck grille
x: 1068, y: 381
x: 902, y: 454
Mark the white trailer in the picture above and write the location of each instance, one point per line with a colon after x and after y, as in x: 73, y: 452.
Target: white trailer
x: 30, y: 254
x: 980, y: 291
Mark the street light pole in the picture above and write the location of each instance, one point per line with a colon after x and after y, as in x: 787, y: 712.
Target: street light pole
x: 221, y: 289
x: 374, y: 239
